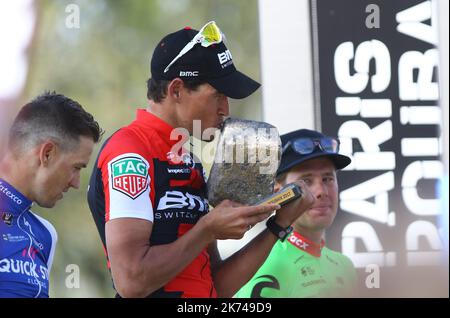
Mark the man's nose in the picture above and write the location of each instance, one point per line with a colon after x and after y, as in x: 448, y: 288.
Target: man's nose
x: 224, y: 108
x: 75, y: 181
x: 319, y: 189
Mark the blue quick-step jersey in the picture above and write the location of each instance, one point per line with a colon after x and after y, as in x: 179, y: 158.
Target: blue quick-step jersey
x: 27, y: 246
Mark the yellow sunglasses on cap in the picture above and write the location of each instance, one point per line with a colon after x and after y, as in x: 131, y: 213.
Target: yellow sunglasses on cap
x: 208, y: 35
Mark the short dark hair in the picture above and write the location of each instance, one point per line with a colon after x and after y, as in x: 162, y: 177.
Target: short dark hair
x: 157, y: 89
x: 53, y: 116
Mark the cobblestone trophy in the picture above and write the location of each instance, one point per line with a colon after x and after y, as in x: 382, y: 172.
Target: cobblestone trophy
x: 245, y: 163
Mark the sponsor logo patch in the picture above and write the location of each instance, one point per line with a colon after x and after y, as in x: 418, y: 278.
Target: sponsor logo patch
x: 7, y: 218
x: 189, y: 73
x: 180, y: 200
x: 13, y: 238
x: 178, y: 170
x: 225, y: 58
x: 129, y: 175
x: 298, y: 242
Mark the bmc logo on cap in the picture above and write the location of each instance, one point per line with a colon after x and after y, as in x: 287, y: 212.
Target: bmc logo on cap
x: 189, y: 73
x: 225, y: 57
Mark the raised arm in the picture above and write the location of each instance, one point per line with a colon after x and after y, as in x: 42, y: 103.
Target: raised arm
x: 231, y: 274
x: 139, y: 269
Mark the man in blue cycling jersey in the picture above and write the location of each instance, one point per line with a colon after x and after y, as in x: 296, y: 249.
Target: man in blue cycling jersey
x: 50, y: 141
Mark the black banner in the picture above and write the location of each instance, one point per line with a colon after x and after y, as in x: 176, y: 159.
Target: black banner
x: 376, y: 66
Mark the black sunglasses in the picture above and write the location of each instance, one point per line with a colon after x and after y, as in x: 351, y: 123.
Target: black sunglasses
x: 305, y: 146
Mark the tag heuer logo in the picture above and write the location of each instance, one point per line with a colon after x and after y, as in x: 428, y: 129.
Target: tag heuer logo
x: 129, y: 175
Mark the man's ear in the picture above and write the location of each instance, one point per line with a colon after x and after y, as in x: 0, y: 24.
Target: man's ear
x: 47, y: 152
x: 175, y: 88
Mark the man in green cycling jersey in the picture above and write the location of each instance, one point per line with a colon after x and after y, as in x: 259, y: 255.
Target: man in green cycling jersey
x: 302, y: 265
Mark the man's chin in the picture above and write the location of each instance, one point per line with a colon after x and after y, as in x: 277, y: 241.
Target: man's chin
x: 323, y: 222
x: 47, y: 205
